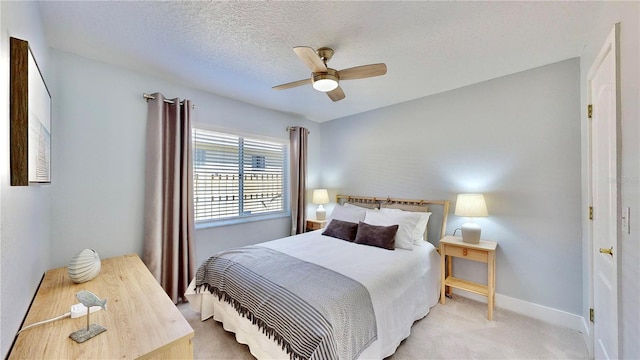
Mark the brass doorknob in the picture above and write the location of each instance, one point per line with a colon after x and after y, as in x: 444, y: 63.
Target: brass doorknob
x: 607, y: 251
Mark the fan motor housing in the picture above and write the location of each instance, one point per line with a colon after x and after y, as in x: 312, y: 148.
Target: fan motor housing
x: 325, y: 53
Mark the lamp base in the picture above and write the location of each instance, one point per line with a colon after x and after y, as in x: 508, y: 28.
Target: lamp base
x: 321, y: 214
x: 471, y: 233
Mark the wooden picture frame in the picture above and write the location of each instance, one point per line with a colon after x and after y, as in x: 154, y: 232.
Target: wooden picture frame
x: 30, y: 118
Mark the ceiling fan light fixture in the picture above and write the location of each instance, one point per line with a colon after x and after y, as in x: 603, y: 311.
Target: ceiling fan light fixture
x: 326, y: 79
x: 325, y: 85
x: 325, y: 82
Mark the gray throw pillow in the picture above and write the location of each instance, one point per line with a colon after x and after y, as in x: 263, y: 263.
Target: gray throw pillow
x: 342, y: 230
x: 379, y: 236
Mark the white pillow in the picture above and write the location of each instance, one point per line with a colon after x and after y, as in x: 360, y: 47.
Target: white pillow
x: 406, y: 222
x: 421, y: 228
x: 373, y: 206
x: 352, y: 214
x: 421, y: 225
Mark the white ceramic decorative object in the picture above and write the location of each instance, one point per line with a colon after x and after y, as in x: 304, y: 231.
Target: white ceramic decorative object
x: 84, y: 266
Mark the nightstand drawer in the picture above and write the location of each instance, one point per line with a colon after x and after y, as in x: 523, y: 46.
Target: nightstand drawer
x: 468, y: 253
x: 315, y: 224
x: 312, y: 225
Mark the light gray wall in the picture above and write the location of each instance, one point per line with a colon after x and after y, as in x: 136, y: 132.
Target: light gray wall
x: 628, y: 14
x: 516, y: 139
x: 98, y: 158
x: 513, y: 138
x: 24, y: 210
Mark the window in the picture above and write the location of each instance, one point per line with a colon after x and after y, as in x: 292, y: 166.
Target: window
x: 237, y: 177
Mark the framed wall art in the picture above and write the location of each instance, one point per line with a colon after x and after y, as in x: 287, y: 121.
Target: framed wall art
x: 30, y: 118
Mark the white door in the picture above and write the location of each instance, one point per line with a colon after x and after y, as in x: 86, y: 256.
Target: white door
x: 603, y: 93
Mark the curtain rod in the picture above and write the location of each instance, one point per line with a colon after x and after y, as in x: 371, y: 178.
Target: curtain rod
x: 151, y: 97
x: 289, y: 128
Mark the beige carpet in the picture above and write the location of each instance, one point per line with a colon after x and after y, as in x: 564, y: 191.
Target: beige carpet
x: 457, y: 330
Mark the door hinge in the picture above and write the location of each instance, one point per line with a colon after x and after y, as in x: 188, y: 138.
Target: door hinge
x: 590, y: 212
x: 591, y: 315
x: 589, y: 111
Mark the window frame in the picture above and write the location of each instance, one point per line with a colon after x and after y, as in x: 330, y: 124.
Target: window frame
x: 244, y: 218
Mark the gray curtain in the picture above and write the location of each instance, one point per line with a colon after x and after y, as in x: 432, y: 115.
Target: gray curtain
x: 298, y: 145
x: 169, y: 221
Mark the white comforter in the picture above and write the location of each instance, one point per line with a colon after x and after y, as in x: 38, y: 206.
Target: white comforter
x: 403, y: 286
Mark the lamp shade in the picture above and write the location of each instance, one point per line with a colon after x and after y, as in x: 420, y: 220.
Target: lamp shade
x: 471, y: 205
x: 320, y: 196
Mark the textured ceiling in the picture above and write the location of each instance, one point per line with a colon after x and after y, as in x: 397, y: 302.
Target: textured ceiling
x: 241, y: 49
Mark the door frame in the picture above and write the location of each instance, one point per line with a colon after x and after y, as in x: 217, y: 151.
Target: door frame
x: 611, y: 44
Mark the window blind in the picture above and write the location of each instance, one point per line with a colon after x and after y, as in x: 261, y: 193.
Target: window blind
x: 236, y: 176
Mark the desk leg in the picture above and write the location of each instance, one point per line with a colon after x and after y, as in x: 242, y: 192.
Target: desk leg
x: 443, y: 275
x: 491, y: 280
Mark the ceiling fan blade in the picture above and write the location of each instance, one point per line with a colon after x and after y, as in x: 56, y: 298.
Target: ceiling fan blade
x: 310, y: 58
x: 292, y: 84
x: 361, y: 72
x: 336, y: 94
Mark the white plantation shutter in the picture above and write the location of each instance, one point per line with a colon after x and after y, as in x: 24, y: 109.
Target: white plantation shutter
x: 238, y: 177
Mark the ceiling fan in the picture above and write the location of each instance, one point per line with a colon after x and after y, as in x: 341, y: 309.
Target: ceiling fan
x: 326, y: 79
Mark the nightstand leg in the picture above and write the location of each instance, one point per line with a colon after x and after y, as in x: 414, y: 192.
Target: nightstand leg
x: 491, y: 280
x: 449, y: 271
x: 443, y: 275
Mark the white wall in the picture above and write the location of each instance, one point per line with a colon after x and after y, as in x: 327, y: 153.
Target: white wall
x: 98, y: 158
x: 516, y: 139
x: 628, y: 14
x: 24, y: 211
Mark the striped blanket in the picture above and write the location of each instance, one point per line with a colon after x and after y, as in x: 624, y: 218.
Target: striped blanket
x: 311, y: 311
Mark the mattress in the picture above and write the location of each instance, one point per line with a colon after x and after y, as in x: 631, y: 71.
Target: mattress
x: 403, y: 286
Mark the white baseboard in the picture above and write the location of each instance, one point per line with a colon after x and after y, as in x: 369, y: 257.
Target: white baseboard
x: 540, y: 312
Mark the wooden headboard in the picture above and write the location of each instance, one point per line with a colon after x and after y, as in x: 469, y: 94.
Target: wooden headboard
x: 403, y: 204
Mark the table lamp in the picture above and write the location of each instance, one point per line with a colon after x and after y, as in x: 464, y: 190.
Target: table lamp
x: 471, y: 205
x: 320, y: 197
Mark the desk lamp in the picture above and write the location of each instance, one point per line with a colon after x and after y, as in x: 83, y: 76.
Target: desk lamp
x: 320, y: 197
x: 471, y: 205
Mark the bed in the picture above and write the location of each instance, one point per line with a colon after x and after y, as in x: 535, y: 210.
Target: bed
x: 315, y: 296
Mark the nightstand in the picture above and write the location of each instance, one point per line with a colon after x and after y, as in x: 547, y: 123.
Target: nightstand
x: 313, y: 224
x: 485, y: 251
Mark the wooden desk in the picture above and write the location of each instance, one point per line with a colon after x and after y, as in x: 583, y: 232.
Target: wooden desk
x: 141, y: 320
x: 485, y: 251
